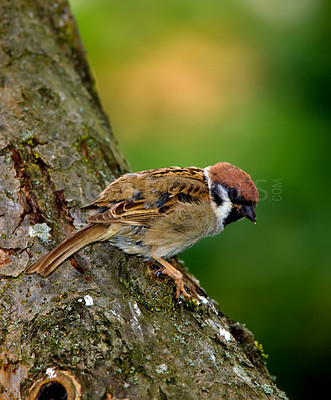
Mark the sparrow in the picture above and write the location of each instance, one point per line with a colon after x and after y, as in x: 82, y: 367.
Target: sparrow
x: 161, y: 212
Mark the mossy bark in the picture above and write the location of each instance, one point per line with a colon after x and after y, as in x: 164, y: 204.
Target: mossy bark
x: 102, y: 318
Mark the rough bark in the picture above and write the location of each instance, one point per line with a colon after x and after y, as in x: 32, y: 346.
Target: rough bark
x: 102, y: 326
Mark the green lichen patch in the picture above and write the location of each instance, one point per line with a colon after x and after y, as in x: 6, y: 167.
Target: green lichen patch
x: 146, y: 289
x: 72, y: 334
x: 49, y: 96
x: 42, y: 231
x: 260, y: 350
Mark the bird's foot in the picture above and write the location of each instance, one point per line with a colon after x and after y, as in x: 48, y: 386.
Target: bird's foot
x: 177, y: 276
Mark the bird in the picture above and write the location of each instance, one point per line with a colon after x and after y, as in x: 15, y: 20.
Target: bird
x: 159, y: 213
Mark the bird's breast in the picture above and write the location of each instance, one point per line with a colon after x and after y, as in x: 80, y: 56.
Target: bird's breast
x: 180, y: 229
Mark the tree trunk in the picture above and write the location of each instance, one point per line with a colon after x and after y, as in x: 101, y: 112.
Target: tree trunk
x: 102, y: 326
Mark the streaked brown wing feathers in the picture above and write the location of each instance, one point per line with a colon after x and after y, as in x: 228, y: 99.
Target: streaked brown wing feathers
x: 132, y: 213
x: 149, y: 194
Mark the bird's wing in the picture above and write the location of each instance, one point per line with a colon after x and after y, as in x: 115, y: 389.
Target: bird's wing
x: 138, y: 198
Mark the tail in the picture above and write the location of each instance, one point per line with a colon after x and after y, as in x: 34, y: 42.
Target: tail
x: 91, y: 233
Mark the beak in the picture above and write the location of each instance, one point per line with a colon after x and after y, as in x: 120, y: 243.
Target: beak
x: 248, y: 212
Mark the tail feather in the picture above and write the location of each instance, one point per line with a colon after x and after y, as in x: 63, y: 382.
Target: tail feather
x: 47, y: 264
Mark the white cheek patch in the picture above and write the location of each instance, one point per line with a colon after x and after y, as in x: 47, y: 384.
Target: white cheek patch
x: 223, y: 210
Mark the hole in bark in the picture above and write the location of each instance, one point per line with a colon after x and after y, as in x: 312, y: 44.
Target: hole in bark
x: 52, y: 391
x: 61, y: 386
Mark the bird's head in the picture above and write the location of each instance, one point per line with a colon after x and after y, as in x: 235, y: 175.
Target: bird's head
x: 233, y: 194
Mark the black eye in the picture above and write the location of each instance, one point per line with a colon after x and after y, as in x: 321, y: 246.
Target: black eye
x: 233, y: 193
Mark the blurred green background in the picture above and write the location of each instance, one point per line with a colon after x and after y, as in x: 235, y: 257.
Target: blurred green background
x: 194, y: 82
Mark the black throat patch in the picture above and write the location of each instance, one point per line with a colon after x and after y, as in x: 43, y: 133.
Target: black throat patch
x: 233, y: 217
